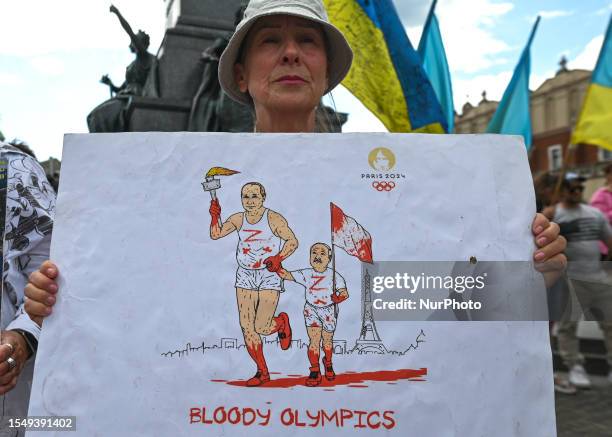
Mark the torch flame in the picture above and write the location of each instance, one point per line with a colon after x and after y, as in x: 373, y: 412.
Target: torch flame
x: 220, y: 171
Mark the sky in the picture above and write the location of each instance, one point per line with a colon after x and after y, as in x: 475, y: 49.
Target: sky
x: 53, y: 53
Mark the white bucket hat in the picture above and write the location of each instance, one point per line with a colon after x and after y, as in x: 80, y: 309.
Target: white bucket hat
x: 339, y: 53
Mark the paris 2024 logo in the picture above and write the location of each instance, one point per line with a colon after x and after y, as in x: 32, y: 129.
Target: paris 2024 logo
x: 382, y: 160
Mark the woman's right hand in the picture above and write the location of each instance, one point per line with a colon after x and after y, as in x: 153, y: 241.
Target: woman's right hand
x: 40, y: 292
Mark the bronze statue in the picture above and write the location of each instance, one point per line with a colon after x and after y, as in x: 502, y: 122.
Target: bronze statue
x: 140, y: 80
x: 211, y: 109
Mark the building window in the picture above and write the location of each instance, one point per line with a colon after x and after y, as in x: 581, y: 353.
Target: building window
x: 550, y: 113
x: 605, y: 155
x: 574, y: 106
x: 555, y: 157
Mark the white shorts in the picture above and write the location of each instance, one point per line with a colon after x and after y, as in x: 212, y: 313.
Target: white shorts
x: 260, y: 279
x: 324, y: 317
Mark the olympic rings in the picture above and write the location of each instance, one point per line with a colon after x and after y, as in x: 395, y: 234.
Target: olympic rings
x: 383, y: 186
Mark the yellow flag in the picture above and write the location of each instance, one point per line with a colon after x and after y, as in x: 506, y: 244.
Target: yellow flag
x: 595, y: 123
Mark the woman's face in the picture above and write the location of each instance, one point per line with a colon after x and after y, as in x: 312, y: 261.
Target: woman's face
x: 285, y: 64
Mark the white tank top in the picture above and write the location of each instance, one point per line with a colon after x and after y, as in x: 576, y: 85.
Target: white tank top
x: 256, y: 242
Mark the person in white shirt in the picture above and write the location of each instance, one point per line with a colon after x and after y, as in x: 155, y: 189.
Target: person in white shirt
x: 324, y: 290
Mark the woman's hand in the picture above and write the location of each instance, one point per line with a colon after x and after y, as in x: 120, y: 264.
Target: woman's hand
x: 13, y: 355
x: 40, y: 292
x: 549, y: 257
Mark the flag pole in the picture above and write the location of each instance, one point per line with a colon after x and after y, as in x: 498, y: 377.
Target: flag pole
x: 333, y: 252
x: 333, y: 255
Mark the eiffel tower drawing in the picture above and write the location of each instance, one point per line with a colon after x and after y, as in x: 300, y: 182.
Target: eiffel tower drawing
x: 369, y: 341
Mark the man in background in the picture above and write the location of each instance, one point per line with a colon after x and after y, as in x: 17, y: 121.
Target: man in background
x: 584, y: 227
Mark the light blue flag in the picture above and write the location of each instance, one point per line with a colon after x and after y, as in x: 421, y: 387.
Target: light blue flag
x: 512, y: 116
x: 433, y: 57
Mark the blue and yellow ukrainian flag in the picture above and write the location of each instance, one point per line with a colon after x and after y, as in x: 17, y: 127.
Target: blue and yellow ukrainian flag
x: 387, y: 75
x: 595, y: 123
x: 432, y: 53
x: 513, y: 116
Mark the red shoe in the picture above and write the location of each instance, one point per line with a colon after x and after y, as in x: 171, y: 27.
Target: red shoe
x: 258, y: 379
x: 284, y: 331
x: 330, y: 375
x: 314, y: 378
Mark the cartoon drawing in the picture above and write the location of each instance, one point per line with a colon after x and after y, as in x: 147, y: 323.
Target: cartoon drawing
x: 350, y: 236
x: 264, y: 240
x: 369, y: 341
x: 324, y: 290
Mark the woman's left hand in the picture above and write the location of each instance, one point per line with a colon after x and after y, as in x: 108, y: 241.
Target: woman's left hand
x: 16, y: 350
x: 549, y: 257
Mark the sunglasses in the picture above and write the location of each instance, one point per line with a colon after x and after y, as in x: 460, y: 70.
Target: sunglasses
x: 576, y: 189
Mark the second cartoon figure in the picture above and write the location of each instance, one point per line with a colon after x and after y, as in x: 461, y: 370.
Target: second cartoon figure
x: 324, y: 290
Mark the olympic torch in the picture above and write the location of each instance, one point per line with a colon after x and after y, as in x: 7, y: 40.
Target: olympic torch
x: 212, y: 184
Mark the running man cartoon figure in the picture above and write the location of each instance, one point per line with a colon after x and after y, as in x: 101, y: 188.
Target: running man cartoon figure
x: 320, y: 308
x: 264, y: 240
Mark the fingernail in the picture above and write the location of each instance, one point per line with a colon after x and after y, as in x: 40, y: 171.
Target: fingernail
x: 539, y: 229
x: 47, y: 310
x: 50, y: 271
x: 50, y: 300
x: 542, y: 241
x: 53, y: 288
x: 539, y: 256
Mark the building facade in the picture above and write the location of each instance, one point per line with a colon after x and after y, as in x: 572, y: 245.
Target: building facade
x: 555, y: 107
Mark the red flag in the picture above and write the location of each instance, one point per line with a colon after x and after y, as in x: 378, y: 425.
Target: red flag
x: 350, y: 235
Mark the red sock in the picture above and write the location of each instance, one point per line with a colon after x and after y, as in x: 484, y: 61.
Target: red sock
x: 313, y: 357
x: 278, y: 322
x: 328, y: 355
x: 256, y: 353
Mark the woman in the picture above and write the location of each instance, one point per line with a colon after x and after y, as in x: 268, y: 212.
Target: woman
x: 281, y: 60
x: 602, y: 200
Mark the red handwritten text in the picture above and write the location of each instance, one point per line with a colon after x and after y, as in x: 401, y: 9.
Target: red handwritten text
x: 233, y: 416
x: 291, y: 417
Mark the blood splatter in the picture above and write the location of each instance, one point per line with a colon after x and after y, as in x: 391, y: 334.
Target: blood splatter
x: 348, y: 378
x: 337, y: 218
x: 365, y: 250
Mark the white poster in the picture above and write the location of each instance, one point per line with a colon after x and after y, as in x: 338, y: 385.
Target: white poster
x: 166, y: 316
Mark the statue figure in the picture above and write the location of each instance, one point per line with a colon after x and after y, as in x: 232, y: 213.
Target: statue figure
x: 140, y: 80
x: 211, y: 109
